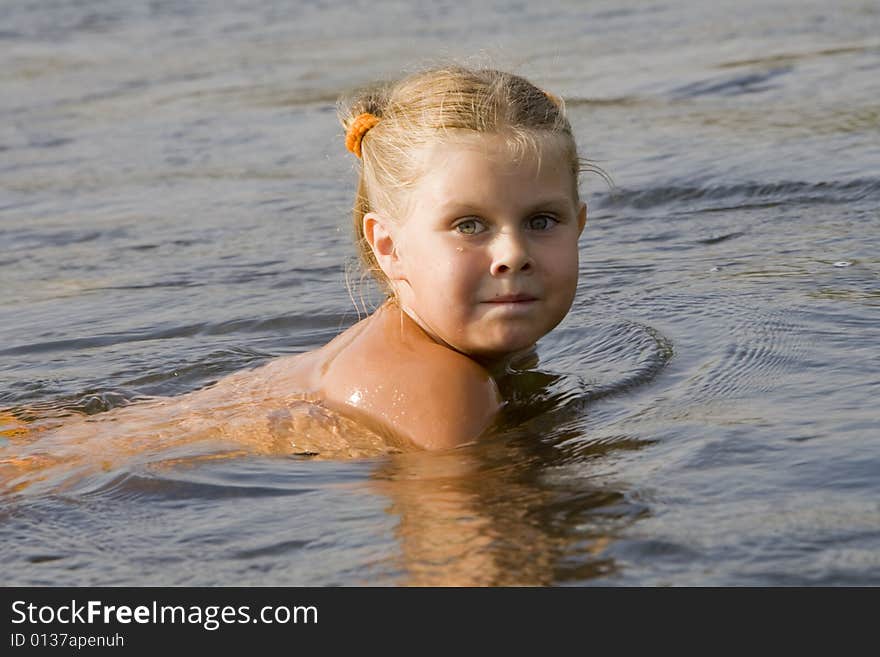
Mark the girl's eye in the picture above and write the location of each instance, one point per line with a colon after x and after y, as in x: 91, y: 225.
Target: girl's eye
x: 469, y: 227
x: 542, y: 222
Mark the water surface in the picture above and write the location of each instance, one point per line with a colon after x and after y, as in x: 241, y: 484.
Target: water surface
x: 174, y: 197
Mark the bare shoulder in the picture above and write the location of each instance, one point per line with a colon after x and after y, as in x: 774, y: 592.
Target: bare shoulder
x: 426, y: 393
x: 449, y: 399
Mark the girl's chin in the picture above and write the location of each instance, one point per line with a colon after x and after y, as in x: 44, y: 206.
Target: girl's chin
x: 504, y: 356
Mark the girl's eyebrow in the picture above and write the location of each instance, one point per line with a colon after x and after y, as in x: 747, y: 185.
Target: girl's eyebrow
x: 554, y: 203
x: 456, y: 207
x: 557, y: 203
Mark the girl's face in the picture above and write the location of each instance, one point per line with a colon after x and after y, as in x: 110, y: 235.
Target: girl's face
x: 484, y: 256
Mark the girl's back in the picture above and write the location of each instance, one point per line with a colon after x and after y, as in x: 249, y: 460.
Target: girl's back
x: 380, y: 386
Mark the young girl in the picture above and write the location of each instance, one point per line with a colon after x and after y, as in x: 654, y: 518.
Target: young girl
x: 467, y: 214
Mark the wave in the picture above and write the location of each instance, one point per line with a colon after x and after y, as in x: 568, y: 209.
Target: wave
x: 765, y: 193
x: 329, y: 322
x: 732, y: 85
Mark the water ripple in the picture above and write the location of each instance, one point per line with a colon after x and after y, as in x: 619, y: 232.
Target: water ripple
x: 140, y: 487
x: 257, y: 325
x: 769, y: 193
x: 732, y: 85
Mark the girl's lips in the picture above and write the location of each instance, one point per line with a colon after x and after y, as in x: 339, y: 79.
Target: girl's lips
x: 512, y: 298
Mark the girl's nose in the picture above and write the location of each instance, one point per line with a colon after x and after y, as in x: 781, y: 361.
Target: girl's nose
x: 510, y: 255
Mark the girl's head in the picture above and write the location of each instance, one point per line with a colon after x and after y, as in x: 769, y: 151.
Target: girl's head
x: 468, y: 193
x: 396, y: 121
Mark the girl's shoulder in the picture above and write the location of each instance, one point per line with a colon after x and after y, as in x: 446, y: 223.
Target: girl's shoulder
x: 393, y: 377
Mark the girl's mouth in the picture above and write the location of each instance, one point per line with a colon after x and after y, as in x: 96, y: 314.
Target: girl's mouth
x: 512, y: 298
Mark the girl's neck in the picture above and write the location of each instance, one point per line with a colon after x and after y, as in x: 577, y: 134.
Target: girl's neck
x: 497, y: 366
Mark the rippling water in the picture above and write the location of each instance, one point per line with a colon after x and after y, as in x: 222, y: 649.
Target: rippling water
x: 173, y: 208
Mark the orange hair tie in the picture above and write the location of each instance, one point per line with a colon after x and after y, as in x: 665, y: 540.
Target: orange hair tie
x: 357, y: 131
x: 553, y: 98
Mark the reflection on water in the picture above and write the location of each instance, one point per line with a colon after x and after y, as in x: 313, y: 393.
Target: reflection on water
x: 486, y: 516
x: 521, y: 509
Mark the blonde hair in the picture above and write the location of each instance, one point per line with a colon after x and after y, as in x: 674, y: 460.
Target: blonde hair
x: 388, y: 124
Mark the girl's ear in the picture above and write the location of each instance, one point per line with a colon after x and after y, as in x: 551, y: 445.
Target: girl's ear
x: 379, y: 235
x: 582, y: 218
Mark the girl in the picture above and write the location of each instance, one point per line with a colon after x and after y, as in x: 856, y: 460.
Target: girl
x: 467, y: 214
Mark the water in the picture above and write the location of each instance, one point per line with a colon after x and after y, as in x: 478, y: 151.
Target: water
x: 173, y: 208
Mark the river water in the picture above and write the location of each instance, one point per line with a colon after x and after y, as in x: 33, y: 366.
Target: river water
x: 174, y: 198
